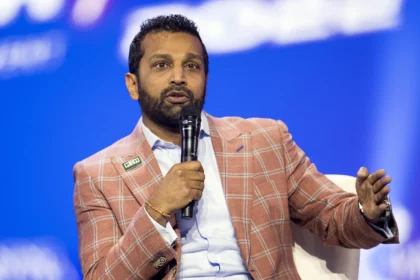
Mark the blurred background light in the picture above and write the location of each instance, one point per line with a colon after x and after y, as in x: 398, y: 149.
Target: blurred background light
x: 280, y: 21
x: 37, y: 10
x: 86, y: 12
x: 44, y: 10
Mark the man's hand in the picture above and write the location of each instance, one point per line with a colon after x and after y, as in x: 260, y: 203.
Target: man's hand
x: 372, y: 190
x: 183, y: 183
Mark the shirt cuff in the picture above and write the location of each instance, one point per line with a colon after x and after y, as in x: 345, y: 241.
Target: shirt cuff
x: 167, y: 233
x: 385, y: 230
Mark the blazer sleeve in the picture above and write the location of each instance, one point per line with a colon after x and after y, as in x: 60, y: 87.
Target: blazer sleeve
x: 322, y: 207
x: 105, y: 251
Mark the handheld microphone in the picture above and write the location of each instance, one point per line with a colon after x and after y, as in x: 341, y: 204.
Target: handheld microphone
x: 189, y: 124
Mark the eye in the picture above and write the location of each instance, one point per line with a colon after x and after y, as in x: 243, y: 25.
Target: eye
x: 193, y: 66
x: 160, y: 65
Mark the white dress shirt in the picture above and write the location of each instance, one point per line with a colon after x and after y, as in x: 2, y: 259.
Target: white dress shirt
x: 209, y: 247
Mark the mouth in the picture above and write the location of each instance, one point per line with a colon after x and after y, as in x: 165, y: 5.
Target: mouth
x: 177, y: 97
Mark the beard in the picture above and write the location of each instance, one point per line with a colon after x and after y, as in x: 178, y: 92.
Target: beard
x: 164, y: 113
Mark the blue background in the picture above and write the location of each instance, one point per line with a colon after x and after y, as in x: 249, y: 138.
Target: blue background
x: 349, y: 101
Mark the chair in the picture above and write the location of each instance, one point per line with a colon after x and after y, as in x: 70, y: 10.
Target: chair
x: 315, y: 261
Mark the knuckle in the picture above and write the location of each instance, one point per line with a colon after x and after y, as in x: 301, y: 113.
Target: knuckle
x: 175, y: 167
x: 199, y: 194
x: 195, y: 195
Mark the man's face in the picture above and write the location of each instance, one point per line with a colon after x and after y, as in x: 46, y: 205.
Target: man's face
x: 171, y: 76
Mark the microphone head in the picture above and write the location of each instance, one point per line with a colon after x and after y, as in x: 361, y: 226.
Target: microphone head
x: 192, y: 111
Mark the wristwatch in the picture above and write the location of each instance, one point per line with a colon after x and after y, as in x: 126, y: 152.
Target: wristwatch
x: 387, y: 213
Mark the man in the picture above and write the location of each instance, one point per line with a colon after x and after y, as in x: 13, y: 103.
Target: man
x: 250, y: 181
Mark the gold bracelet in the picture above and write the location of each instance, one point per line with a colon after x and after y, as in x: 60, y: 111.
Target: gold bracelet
x: 160, y: 212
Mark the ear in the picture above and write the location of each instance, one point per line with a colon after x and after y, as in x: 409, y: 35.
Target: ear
x: 132, y: 85
x: 207, y: 78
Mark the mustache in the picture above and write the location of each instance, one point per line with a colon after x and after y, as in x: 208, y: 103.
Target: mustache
x: 177, y: 88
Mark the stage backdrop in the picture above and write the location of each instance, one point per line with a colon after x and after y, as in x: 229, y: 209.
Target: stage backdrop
x: 343, y: 75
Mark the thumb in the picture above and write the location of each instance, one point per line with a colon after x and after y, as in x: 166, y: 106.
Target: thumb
x: 362, y: 174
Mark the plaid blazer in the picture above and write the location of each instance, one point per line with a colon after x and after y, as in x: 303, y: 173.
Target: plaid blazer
x: 267, y: 184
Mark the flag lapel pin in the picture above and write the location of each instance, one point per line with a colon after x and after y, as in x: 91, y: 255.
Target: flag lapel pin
x: 131, y: 163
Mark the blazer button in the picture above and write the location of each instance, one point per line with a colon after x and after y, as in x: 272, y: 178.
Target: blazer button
x: 159, y: 263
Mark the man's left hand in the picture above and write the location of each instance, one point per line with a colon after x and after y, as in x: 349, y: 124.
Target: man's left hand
x: 372, y: 190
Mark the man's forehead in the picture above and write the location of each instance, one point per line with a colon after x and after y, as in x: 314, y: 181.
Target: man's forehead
x: 171, y: 42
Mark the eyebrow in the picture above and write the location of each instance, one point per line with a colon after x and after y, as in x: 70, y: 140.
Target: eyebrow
x: 194, y: 56
x: 162, y: 56
x: 189, y: 56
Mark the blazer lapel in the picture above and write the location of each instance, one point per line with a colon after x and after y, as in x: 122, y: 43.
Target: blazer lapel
x: 234, y: 159
x: 144, y: 178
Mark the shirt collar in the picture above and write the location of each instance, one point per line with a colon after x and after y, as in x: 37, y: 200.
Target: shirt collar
x: 154, y: 141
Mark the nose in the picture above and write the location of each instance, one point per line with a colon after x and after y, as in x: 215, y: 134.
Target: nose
x: 178, y: 76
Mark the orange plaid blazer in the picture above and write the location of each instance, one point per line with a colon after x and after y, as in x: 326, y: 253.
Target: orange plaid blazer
x: 267, y: 184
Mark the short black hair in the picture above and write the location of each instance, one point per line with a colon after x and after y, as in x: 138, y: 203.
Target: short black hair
x: 170, y: 23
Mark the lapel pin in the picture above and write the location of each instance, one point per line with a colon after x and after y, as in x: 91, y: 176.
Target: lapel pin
x: 131, y: 163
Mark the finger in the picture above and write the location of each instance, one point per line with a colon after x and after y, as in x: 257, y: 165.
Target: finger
x: 192, y: 166
x: 195, y: 175
x: 189, y: 165
x: 381, y: 183
x: 196, y: 185
x: 362, y: 174
x: 380, y: 196
x: 380, y: 209
x: 376, y: 176
x: 197, y: 194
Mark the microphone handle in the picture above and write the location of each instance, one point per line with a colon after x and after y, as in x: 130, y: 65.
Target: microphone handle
x: 187, y: 211
x: 189, y: 129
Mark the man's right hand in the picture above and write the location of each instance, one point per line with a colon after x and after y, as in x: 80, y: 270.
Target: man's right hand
x: 183, y: 183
